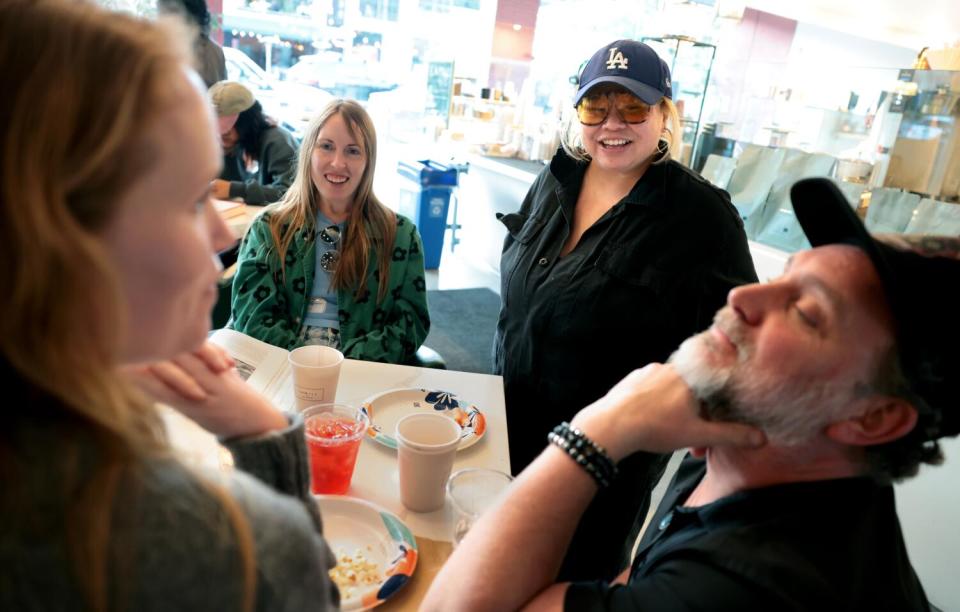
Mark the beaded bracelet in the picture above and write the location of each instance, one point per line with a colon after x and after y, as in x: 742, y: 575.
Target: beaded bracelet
x: 588, y: 454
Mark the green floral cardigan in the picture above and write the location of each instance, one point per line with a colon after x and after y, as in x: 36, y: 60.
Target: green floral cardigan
x: 271, y: 307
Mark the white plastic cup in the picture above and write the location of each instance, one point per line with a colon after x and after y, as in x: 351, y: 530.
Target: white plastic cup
x: 472, y: 492
x: 316, y: 371
x: 426, y: 446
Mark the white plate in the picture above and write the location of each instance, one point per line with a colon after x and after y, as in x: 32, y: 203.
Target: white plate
x: 351, y: 525
x: 385, y: 409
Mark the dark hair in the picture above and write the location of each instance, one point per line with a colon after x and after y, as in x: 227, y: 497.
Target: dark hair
x: 901, y: 458
x: 250, y: 125
x: 196, y: 9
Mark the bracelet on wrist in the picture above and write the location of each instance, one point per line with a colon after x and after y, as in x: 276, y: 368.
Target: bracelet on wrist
x: 588, y: 454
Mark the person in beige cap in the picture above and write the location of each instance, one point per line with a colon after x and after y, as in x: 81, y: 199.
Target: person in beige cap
x: 259, y: 156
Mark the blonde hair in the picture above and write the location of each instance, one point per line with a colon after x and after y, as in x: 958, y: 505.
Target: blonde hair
x: 81, y: 84
x: 370, y: 225
x: 669, y: 146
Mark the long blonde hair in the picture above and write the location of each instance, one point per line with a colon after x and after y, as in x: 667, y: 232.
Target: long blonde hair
x: 669, y: 146
x: 80, y: 84
x: 371, y: 225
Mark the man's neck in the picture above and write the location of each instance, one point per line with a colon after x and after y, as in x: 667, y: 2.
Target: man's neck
x: 732, y: 470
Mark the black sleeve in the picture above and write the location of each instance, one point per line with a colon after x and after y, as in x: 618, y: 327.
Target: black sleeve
x: 676, y: 586
x: 278, y: 169
x: 724, y: 259
x: 515, y: 221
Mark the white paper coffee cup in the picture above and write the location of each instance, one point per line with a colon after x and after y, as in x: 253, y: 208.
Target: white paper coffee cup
x: 316, y: 371
x: 426, y: 446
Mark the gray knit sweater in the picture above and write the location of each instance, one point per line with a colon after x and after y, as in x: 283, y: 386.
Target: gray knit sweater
x: 277, y: 168
x: 172, y: 546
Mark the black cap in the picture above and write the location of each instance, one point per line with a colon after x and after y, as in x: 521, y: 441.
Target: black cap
x: 630, y: 64
x: 923, y: 292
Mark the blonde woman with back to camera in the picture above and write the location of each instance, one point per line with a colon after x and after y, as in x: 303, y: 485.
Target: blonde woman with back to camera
x: 108, y: 153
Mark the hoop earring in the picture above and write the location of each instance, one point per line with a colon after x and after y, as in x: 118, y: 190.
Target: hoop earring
x: 663, y: 146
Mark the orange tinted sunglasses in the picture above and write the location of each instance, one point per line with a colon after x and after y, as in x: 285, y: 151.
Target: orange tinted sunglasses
x: 594, y: 109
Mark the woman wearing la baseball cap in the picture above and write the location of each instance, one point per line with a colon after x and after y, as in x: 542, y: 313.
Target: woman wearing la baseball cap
x: 617, y: 254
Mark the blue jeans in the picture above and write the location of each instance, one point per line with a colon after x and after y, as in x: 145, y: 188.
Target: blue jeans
x: 323, y: 336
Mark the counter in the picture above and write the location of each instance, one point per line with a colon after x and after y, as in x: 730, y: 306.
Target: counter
x: 492, y: 185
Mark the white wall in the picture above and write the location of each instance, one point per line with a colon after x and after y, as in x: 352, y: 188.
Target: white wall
x: 908, y: 24
x: 825, y: 65
x: 928, y: 505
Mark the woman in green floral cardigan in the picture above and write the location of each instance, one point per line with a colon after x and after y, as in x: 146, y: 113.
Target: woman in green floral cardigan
x: 311, y: 267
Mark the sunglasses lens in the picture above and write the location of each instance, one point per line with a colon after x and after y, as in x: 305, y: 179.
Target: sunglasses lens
x: 330, y: 235
x: 592, y: 110
x: 632, y: 109
x: 328, y: 261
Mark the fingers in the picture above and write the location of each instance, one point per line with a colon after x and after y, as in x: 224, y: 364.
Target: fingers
x: 149, y: 384
x: 178, y: 380
x: 654, y: 410
x: 200, y: 372
x: 220, y: 189
x: 216, y: 358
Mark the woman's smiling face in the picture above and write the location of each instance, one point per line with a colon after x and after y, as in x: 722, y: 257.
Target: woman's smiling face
x: 337, y: 162
x: 619, y: 146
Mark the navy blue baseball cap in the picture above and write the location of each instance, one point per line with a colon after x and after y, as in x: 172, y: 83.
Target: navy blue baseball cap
x: 630, y: 64
x: 921, y: 280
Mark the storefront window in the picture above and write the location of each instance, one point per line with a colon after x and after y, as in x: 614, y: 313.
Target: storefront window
x: 143, y: 8
x: 380, y: 9
x: 457, y: 78
x: 442, y: 6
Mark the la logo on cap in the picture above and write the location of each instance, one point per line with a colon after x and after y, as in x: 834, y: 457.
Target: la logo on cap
x: 616, y: 60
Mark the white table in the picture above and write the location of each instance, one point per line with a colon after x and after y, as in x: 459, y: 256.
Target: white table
x: 375, y: 478
x: 237, y: 215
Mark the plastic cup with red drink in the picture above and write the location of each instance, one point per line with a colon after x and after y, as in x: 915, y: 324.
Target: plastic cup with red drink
x: 334, y: 433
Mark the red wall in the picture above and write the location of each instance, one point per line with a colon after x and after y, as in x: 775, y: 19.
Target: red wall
x: 507, y: 42
x: 216, y: 12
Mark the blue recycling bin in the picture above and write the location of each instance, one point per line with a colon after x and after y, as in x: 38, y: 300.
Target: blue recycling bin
x: 425, y: 193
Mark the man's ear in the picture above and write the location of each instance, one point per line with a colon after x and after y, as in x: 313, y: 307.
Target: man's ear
x: 885, y: 419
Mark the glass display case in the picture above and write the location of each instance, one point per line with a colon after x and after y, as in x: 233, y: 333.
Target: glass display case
x: 925, y: 156
x: 690, y: 65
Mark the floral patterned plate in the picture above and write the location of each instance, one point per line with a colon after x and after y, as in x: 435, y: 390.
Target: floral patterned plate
x: 372, y: 543
x: 386, y: 408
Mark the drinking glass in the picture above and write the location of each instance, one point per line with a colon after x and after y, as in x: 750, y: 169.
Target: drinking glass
x: 472, y: 491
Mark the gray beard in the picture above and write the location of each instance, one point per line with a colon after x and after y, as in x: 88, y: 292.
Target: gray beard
x: 790, y: 412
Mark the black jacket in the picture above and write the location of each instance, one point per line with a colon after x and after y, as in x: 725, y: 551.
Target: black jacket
x: 648, y: 274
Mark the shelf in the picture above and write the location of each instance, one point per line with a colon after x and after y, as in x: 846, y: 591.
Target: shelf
x: 484, y: 100
x: 690, y: 65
